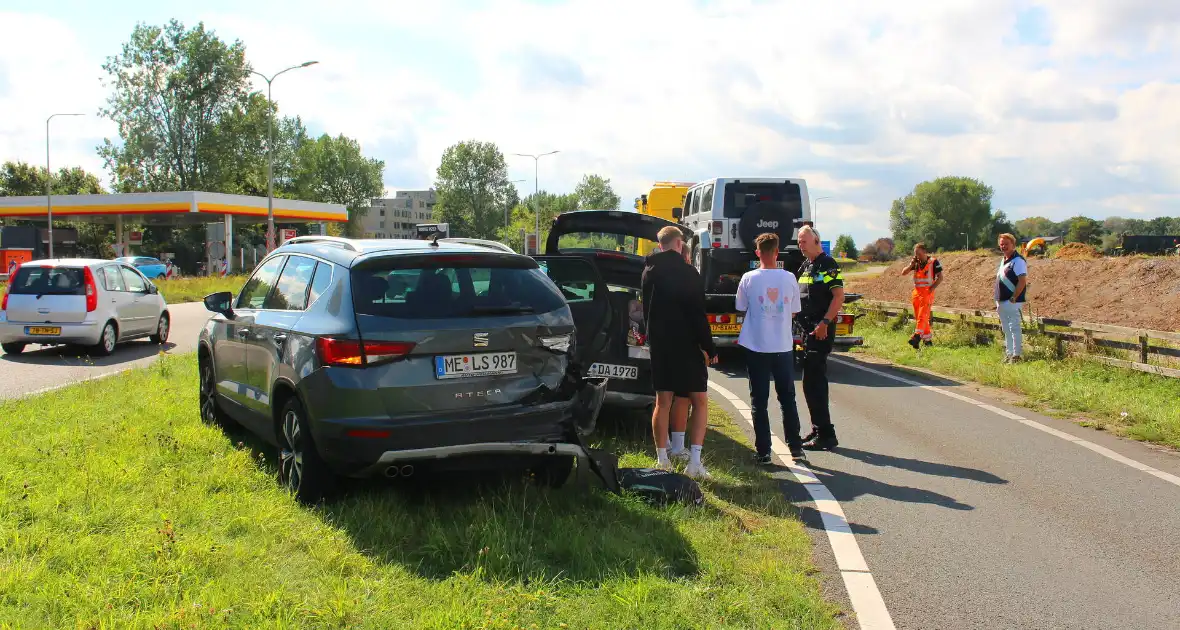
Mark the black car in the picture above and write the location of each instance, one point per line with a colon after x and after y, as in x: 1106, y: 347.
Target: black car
x: 372, y: 357
x: 591, y: 256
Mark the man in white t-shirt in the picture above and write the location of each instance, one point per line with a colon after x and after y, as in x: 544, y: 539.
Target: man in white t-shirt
x: 769, y: 296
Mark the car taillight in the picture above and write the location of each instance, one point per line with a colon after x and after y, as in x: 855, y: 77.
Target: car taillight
x: 350, y: 352
x: 91, y: 290
x: 718, y: 228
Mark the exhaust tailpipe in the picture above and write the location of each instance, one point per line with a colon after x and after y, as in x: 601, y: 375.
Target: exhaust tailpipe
x: 407, y: 470
x: 391, y: 472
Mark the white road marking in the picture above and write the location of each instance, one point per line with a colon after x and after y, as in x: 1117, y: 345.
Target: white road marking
x: 46, y: 390
x: 1101, y: 450
x: 866, y: 599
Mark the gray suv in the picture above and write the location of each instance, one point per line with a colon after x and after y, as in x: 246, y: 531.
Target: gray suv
x: 373, y: 357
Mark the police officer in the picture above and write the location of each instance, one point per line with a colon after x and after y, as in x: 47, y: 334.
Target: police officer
x: 822, y: 294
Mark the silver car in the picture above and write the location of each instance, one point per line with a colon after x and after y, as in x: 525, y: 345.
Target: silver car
x: 93, y: 303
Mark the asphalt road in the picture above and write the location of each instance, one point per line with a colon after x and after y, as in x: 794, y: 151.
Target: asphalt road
x: 969, y: 519
x: 42, y: 367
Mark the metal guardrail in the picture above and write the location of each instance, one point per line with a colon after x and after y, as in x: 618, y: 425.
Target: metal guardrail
x: 1091, y: 335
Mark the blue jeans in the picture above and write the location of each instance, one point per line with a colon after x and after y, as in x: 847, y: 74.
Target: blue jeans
x: 761, y: 366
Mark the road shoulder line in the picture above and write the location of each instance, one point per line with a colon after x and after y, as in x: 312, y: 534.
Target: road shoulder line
x: 867, y: 603
x: 1101, y: 450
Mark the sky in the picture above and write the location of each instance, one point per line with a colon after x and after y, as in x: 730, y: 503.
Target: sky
x: 1064, y: 107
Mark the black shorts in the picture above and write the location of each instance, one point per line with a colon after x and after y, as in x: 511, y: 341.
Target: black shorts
x: 680, y: 371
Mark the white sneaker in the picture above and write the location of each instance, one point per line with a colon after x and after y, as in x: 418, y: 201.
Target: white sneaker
x: 697, y: 472
x: 682, y: 454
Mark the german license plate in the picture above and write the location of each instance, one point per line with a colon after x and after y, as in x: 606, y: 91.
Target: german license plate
x: 842, y: 329
x: 474, y: 365
x: 43, y: 330
x: 725, y: 329
x: 754, y: 264
x: 626, y: 372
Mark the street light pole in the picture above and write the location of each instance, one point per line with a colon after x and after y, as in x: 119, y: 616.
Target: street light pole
x: 814, y: 205
x: 270, y: 153
x: 49, y: 180
x: 968, y: 239
x: 536, y: 193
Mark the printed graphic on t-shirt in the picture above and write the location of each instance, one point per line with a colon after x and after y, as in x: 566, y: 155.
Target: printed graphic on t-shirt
x: 772, y: 303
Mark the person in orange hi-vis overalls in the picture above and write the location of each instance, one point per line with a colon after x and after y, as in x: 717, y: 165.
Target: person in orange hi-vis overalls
x: 927, y: 275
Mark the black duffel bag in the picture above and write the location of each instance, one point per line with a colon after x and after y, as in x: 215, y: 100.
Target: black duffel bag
x: 654, y: 486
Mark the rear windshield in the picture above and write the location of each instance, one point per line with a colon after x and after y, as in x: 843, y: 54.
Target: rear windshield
x: 48, y: 281
x: 574, y: 241
x: 740, y: 196
x: 432, y: 287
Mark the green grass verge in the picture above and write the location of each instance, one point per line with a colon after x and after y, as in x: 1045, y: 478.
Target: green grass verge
x: 1134, y: 404
x: 192, y: 289
x: 195, y: 289
x: 120, y: 509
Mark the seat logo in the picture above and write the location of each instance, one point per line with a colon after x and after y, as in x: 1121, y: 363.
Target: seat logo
x: 481, y: 340
x: 763, y: 223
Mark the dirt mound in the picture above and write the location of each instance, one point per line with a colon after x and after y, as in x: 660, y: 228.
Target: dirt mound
x: 1135, y: 292
x: 1077, y: 251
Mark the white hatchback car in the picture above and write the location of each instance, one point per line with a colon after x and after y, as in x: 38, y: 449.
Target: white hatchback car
x: 94, y: 303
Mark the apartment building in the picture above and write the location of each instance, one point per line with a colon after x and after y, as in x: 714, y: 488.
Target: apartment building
x: 399, y: 216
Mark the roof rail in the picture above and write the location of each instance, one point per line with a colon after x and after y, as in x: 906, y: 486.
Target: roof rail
x: 327, y: 240
x: 481, y: 242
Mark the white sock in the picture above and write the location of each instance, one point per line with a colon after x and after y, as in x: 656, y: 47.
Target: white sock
x: 661, y: 454
x: 695, y: 453
x: 677, y: 441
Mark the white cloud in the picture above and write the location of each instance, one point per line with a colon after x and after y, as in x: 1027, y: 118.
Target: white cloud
x: 864, y: 99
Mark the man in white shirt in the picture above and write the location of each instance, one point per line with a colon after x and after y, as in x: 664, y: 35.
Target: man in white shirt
x: 769, y: 296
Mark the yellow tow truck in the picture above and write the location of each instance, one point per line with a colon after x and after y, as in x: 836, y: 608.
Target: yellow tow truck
x: 659, y: 202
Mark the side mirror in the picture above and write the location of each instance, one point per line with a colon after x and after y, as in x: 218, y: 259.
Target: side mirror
x: 677, y: 213
x: 220, y: 303
x: 153, y: 289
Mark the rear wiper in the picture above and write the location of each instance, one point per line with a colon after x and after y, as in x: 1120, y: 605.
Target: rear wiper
x: 501, y: 310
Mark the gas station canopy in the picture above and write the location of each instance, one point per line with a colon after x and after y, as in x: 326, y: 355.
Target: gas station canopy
x: 172, y: 208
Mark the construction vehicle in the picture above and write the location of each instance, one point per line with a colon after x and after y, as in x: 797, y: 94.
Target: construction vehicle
x: 659, y: 202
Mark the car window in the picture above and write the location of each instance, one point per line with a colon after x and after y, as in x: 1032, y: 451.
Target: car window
x: 290, y: 293
x: 135, y: 282
x: 320, y: 282
x: 48, y: 281
x: 707, y: 199
x: 254, y: 294
x: 687, y: 209
x: 477, y: 285
x: 112, y: 279
x: 574, y: 278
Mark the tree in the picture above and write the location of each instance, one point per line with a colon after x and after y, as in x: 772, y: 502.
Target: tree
x: 940, y: 212
x: 1033, y: 227
x: 333, y: 170
x: 472, y: 188
x: 594, y: 192
x: 523, y: 217
x: 884, y: 247
x: 172, y: 89
x: 1084, y: 230
x: 844, y: 243
x: 1001, y: 225
x: 19, y: 179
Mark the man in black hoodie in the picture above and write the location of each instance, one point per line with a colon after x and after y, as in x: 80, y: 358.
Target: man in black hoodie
x: 681, y: 343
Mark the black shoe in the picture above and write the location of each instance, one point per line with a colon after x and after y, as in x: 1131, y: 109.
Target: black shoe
x: 915, y: 341
x: 810, y: 437
x: 797, y: 452
x: 764, y: 460
x: 823, y: 444
x: 927, y: 343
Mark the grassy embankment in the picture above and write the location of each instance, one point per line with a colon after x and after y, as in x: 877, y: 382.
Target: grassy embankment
x: 189, y: 289
x: 120, y: 509
x: 1133, y: 404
